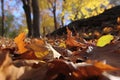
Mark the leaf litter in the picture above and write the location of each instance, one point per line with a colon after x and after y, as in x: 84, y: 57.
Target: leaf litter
x: 60, y: 59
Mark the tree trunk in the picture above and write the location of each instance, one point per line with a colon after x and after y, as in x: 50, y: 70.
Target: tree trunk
x: 36, y: 18
x: 33, y: 25
x: 26, y: 7
x: 55, y: 22
x: 62, y: 21
x: 54, y: 15
x: 3, y: 21
x: 62, y: 18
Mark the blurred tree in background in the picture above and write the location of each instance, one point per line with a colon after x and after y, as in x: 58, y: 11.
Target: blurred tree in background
x: 67, y: 11
x: 2, y: 19
x: 79, y: 9
x: 47, y: 15
x: 11, y: 20
x: 32, y: 7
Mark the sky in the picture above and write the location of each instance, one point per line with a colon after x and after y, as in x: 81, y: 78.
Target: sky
x: 16, y: 9
x: 13, y: 7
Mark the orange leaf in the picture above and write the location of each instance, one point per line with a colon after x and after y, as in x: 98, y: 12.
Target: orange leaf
x: 87, y: 72
x: 103, y: 66
x: 19, y: 40
x: 27, y: 55
x: 71, y: 40
x: 92, y: 69
x: 118, y: 20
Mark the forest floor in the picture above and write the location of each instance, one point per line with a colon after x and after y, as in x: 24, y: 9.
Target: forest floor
x: 84, y: 56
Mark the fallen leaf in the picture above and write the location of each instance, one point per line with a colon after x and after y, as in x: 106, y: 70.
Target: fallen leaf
x: 7, y: 69
x: 39, y: 48
x: 62, y: 44
x: 26, y: 55
x: 118, y: 20
x: 64, y: 70
x: 36, y: 72
x: 19, y: 40
x: 58, y: 67
x: 70, y: 41
x: 107, y: 29
x: 104, y: 67
x: 104, y: 40
x: 55, y: 53
x: 109, y: 53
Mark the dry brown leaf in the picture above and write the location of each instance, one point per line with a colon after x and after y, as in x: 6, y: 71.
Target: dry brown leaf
x: 21, y: 69
x: 93, y: 69
x: 37, y: 45
x: 118, y: 20
x: 27, y: 55
x: 39, y: 48
x: 37, y: 72
x: 7, y: 70
x: 71, y: 40
x: 78, y: 71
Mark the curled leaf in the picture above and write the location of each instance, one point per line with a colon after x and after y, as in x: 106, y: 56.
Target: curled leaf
x: 19, y: 40
x: 55, y: 53
x: 71, y: 40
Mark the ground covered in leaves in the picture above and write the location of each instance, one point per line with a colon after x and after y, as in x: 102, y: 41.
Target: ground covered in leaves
x: 68, y: 58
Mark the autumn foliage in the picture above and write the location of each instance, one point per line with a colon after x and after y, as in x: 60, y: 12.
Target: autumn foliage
x: 59, y: 59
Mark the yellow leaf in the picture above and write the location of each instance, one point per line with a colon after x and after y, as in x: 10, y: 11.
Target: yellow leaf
x: 104, y: 40
x: 39, y: 48
x: 62, y: 44
x: 40, y: 55
x: 19, y: 40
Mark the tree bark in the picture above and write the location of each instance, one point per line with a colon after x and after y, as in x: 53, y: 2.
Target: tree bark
x: 54, y: 16
x: 33, y: 25
x: 36, y: 18
x: 62, y: 21
x: 62, y: 18
x: 3, y: 20
x: 27, y: 10
x: 53, y: 10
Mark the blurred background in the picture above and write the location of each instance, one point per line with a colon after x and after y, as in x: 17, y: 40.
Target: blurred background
x: 54, y: 14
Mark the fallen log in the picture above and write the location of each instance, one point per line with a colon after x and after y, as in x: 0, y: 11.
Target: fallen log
x: 107, y: 18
